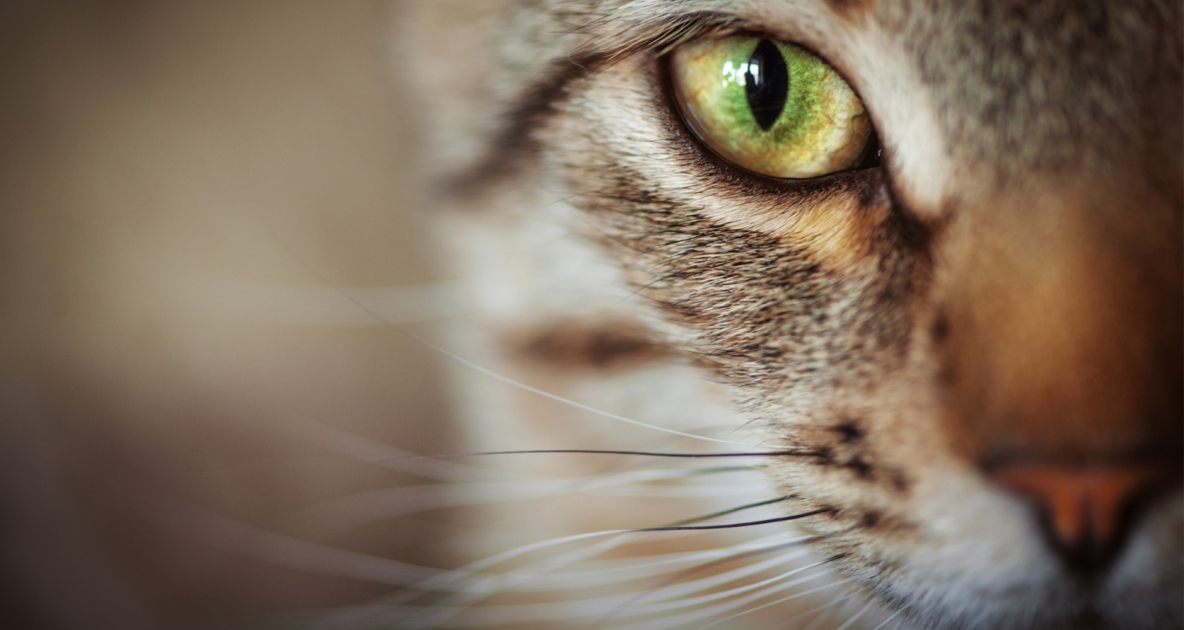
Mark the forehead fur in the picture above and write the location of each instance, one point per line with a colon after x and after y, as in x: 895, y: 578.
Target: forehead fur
x: 1047, y: 84
x: 984, y: 88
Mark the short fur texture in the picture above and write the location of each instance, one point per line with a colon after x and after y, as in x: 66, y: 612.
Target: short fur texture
x: 1006, y: 286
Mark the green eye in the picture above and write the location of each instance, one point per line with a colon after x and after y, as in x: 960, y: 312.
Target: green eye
x: 771, y: 108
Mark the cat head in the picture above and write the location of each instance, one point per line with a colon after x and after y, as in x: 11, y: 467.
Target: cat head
x: 976, y: 336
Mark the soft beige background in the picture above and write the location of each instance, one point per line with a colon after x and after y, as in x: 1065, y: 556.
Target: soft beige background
x: 185, y: 190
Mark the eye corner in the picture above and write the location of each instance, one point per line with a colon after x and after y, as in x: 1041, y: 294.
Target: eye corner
x: 873, y: 152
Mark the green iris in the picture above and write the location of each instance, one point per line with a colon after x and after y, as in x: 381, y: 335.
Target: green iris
x: 769, y: 107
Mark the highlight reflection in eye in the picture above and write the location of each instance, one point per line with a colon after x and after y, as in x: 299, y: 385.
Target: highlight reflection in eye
x: 769, y: 107
x: 734, y: 73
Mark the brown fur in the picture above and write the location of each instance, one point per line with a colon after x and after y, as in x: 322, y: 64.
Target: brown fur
x: 1007, y: 286
x: 590, y: 344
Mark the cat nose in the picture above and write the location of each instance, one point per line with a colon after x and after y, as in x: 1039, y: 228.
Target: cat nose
x: 1085, y: 510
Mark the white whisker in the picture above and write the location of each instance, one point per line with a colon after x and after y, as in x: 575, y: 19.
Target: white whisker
x: 890, y: 618
x: 394, y: 608
x: 286, y: 551
x: 469, y: 570
x: 360, y: 509
x: 320, y: 305
x: 823, y: 614
x: 611, y: 571
x: 824, y: 611
x: 510, y: 581
x: 856, y: 617
x: 634, y: 610
x: 778, y: 601
x: 572, y: 403
x: 699, y: 616
x: 369, y: 451
x: 622, y: 570
x: 513, y: 582
x: 513, y: 615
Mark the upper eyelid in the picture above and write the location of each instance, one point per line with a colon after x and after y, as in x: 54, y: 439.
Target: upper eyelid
x: 620, y: 32
x: 742, y: 28
x: 685, y: 28
x: 512, y: 142
x: 673, y: 31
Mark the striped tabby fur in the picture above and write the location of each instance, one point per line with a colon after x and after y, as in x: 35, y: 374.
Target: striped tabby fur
x: 1007, y: 282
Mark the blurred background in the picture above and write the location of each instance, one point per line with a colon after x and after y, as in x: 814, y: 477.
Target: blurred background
x: 210, y: 244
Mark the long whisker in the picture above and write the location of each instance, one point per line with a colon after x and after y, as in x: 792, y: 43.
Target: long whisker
x: 674, y: 602
x: 623, y: 570
x: 473, y: 568
x: 371, y: 506
x: 515, y: 615
x: 468, y: 583
x: 886, y: 621
x: 567, y: 401
x: 781, y: 601
x: 780, y: 519
x: 575, y: 451
x: 455, y: 605
x: 826, y: 611
x: 630, y: 608
x: 372, y: 452
x: 490, y: 584
x: 822, y: 613
x: 679, y: 577
x: 440, y: 616
x: 552, y: 585
x: 676, y: 599
x: 497, y: 559
x: 509, y: 381
x: 356, y: 448
x: 696, y: 617
x: 673, y: 492
x: 286, y: 551
x: 649, y: 566
x: 854, y: 618
x: 734, y: 510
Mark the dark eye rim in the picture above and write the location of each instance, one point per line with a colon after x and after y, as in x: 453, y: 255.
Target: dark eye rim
x: 870, y: 161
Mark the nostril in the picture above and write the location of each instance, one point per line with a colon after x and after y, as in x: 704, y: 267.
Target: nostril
x: 1085, y: 510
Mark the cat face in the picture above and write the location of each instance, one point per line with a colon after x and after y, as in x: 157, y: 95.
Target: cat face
x: 976, y: 340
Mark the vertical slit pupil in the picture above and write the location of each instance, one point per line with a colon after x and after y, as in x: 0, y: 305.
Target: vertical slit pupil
x: 766, y: 82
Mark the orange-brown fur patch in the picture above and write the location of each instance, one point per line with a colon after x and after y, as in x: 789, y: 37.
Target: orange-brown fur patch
x: 836, y: 230
x: 1063, y: 340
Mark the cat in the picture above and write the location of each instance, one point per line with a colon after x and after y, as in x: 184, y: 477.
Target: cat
x: 939, y: 374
